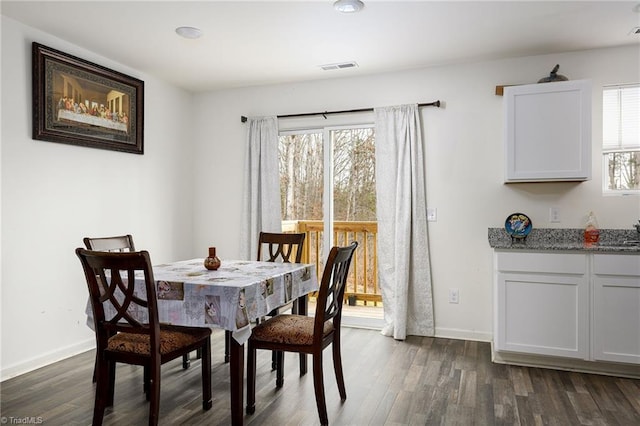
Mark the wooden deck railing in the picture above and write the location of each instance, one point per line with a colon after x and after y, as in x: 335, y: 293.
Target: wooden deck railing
x: 363, y: 275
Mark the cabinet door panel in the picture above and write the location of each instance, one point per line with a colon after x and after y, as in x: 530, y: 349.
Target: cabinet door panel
x: 542, y: 314
x: 616, y: 319
x: 548, y: 131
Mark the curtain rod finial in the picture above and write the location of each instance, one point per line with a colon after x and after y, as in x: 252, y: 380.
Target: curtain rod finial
x: 243, y: 119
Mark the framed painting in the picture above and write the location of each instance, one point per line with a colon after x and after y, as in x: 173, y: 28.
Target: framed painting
x: 81, y: 103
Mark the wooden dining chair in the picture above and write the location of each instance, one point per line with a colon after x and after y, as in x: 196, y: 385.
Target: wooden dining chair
x: 277, y: 247
x: 307, y: 335
x: 122, y: 338
x: 120, y: 243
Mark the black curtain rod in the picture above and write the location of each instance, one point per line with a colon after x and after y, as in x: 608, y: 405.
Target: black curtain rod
x: 306, y: 114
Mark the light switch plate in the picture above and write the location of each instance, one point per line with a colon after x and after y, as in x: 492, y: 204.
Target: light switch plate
x: 432, y: 214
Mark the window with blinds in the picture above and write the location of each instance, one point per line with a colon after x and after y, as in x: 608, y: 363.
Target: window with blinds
x: 621, y: 138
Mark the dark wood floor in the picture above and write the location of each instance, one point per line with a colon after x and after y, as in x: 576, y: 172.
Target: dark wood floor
x: 422, y: 381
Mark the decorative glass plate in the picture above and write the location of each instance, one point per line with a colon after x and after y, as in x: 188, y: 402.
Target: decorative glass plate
x: 518, y: 225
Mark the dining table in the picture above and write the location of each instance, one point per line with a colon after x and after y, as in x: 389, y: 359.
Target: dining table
x: 231, y: 297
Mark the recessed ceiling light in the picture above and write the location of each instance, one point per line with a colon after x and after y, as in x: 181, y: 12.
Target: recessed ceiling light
x: 189, y: 32
x: 348, y: 6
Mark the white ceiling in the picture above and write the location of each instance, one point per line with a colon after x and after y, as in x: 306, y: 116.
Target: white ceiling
x: 247, y: 43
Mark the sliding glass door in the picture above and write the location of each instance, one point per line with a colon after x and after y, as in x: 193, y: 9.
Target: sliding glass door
x: 327, y: 183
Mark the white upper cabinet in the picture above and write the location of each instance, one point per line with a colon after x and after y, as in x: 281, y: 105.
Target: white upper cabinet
x: 548, y: 132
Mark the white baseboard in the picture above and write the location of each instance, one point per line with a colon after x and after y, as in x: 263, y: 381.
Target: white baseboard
x: 460, y: 334
x: 362, y: 322
x: 8, y: 372
x: 445, y: 333
x: 631, y: 371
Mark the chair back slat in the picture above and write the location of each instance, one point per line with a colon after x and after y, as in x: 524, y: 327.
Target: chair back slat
x: 115, y: 300
x: 121, y: 296
x: 114, y: 244
x: 281, y: 247
x: 332, y: 287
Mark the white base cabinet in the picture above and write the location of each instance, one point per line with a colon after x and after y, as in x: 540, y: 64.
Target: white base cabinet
x: 616, y: 308
x: 542, y: 304
x: 571, y: 305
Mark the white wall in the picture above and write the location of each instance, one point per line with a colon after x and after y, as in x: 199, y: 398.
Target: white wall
x: 464, y: 150
x: 53, y: 195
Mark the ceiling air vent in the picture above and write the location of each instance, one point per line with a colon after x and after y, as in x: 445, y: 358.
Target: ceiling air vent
x: 339, y: 66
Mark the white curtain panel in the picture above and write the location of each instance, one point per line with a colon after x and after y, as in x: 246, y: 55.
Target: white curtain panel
x: 403, y: 244
x: 261, y: 203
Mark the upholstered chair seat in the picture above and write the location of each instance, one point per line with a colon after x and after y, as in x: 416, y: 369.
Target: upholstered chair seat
x: 171, y: 340
x: 289, y: 329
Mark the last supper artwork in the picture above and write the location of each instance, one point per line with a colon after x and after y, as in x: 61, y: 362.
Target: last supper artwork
x: 83, y: 103
x: 78, y: 102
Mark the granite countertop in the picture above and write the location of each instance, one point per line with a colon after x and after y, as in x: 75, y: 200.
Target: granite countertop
x: 611, y: 240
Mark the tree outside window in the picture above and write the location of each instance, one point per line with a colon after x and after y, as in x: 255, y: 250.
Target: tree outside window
x: 302, y: 175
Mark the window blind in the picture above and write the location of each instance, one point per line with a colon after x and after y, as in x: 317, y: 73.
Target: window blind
x: 621, y: 117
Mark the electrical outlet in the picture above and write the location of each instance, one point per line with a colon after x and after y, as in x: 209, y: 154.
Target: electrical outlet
x: 554, y: 215
x: 454, y: 295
